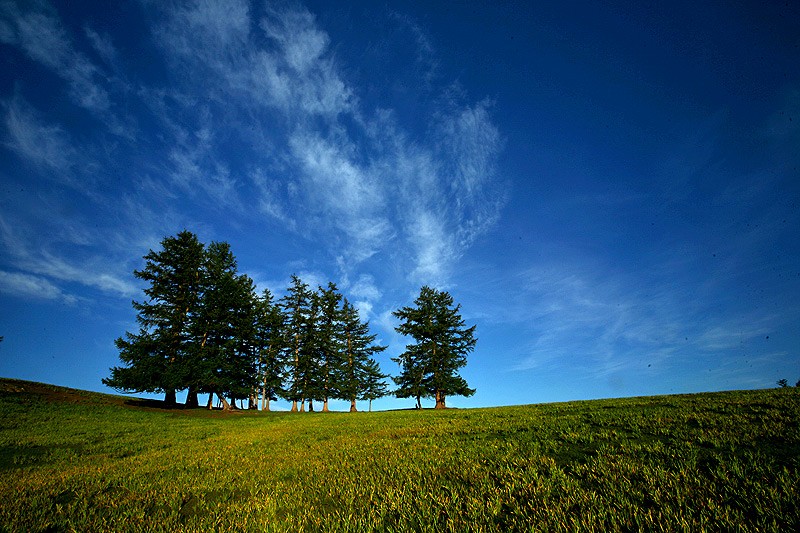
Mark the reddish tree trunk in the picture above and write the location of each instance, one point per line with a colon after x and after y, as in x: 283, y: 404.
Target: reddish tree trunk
x: 225, y: 405
x: 353, y: 405
x: 440, y: 401
x: 294, y: 406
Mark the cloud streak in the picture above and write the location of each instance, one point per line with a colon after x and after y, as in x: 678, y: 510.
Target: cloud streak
x: 44, y: 40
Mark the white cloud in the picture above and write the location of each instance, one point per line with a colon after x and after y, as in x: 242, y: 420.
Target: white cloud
x: 29, y: 286
x: 351, y: 197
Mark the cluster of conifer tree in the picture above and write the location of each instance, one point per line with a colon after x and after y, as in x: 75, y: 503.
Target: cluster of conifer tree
x: 204, y: 329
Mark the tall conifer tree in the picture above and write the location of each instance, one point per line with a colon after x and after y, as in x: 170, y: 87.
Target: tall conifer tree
x: 328, y: 343
x: 156, y: 357
x: 270, y: 340
x: 224, y: 363
x: 296, y: 307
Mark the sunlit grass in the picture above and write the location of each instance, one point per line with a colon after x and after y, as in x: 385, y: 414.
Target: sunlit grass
x: 711, y: 462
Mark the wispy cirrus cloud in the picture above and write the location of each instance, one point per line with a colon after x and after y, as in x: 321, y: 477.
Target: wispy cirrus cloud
x: 29, y: 286
x: 349, y: 168
x: 40, y: 34
x: 47, y: 146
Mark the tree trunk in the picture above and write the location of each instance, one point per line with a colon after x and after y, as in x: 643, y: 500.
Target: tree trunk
x: 225, y: 405
x: 370, y: 405
x: 310, y: 405
x: 294, y: 406
x: 303, y: 405
x: 191, y: 399
x: 325, y: 406
x: 264, y: 398
x: 419, y: 403
x: 169, y: 398
x: 353, y: 405
x: 210, y: 405
x: 251, y: 402
x: 440, y: 401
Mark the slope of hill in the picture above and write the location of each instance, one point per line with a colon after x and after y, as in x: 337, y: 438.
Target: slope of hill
x: 727, y: 461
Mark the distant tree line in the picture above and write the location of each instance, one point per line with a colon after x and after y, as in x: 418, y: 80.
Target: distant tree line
x: 204, y: 329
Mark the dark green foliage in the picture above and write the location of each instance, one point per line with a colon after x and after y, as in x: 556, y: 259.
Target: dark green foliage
x: 429, y: 366
x: 226, y: 325
x: 782, y: 383
x: 156, y: 357
x: 203, y: 328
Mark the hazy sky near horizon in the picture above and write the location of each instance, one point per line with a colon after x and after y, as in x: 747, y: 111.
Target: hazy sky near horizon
x: 610, y: 190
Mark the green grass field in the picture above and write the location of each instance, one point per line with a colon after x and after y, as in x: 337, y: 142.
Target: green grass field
x: 80, y: 461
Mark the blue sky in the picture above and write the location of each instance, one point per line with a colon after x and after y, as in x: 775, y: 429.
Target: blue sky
x: 610, y: 191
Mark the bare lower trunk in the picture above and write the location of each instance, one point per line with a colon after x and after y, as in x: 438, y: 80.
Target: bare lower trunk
x: 310, y: 405
x: 264, y: 398
x: 169, y: 398
x: 294, y: 406
x: 419, y: 403
x: 440, y: 401
x: 325, y: 406
x: 370, y: 405
x: 225, y: 405
x: 251, y: 402
x: 191, y: 399
x: 210, y: 401
x: 353, y: 405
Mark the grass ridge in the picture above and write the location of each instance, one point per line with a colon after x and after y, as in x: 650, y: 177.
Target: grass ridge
x: 724, y: 461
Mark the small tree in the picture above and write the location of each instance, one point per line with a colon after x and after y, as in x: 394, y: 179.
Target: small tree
x: 358, y: 372
x: 374, y: 383
x: 429, y: 366
x: 782, y: 383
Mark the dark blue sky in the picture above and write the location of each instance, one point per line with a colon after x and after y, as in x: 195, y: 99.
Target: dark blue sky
x: 610, y: 191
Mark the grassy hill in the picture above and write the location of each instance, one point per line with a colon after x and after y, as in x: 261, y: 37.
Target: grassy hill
x: 75, y: 460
